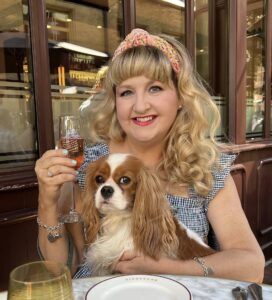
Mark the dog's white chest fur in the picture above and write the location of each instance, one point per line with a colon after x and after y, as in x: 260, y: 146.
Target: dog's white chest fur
x: 114, y: 238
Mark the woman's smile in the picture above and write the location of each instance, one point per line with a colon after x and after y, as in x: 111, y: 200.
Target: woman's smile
x: 144, y: 121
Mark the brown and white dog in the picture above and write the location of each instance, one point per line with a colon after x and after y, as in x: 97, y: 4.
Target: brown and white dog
x: 124, y: 208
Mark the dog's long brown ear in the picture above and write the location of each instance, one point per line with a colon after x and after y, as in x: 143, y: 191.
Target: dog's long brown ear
x: 89, y: 212
x: 153, y: 227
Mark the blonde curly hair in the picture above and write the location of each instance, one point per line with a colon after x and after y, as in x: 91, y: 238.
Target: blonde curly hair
x: 191, y: 152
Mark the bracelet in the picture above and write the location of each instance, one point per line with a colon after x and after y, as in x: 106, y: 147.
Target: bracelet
x: 53, y: 231
x: 208, y: 271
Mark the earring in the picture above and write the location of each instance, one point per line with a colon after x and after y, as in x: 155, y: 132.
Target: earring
x: 180, y: 107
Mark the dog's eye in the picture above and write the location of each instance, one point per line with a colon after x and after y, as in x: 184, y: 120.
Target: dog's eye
x: 124, y: 180
x: 99, y: 179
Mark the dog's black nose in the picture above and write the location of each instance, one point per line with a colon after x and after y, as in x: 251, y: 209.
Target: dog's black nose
x: 107, y: 191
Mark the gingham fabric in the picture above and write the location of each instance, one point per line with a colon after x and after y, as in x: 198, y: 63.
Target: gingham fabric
x: 191, y: 211
x: 83, y: 271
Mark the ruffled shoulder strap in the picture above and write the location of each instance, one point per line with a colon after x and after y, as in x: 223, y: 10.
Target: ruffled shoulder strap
x: 91, y: 154
x: 220, y: 174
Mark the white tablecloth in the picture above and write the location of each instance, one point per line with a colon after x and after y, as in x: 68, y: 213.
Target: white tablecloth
x: 201, y: 288
x: 3, y: 295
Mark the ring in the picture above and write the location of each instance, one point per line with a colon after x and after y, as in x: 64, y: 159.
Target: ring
x: 49, y: 174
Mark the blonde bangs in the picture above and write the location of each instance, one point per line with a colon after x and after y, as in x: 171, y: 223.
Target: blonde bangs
x: 141, y: 61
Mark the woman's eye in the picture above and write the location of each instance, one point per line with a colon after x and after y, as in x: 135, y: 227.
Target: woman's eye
x: 124, y: 180
x: 99, y: 179
x: 155, y: 89
x: 125, y: 93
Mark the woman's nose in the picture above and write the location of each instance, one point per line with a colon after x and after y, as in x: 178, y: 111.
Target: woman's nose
x: 141, y: 104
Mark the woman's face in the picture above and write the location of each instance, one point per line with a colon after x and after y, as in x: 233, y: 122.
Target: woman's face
x: 146, y: 109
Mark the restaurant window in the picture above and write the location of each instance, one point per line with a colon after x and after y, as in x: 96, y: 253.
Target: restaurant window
x: 211, y: 55
x: 18, y: 145
x: 81, y: 40
x: 202, y: 38
x: 168, y: 17
x: 255, y: 69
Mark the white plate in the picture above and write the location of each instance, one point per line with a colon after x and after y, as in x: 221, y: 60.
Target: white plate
x: 138, y: 287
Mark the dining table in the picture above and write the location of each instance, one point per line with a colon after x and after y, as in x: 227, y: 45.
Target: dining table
x: 208, y: 288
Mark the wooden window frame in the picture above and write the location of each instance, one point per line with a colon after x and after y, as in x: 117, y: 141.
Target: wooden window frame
x: 129, y: 15
x: 190, y: 42
x: 42, y: 86
x: 237, y: 75
x: 268, y: 68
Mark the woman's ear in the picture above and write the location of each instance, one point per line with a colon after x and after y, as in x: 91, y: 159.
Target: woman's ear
x: 90, y: 214
x: 153, y: 227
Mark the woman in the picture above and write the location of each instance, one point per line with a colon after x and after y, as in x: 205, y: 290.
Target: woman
x: 161, y: 113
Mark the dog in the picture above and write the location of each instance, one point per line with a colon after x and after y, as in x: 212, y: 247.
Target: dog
x: 124, y: 208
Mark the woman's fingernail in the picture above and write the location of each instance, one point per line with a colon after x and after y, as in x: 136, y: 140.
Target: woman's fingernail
x: 73, y: 162
x: 77, y: 173
x: 65, y: 151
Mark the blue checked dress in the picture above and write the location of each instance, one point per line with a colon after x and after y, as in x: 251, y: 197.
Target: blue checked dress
x: 191, y: 210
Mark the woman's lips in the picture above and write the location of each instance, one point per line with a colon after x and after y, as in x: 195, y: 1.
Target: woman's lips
x: 143, y: 121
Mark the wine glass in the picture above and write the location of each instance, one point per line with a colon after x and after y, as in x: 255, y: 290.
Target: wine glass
x: 70, y: 138
x: 40, y: 280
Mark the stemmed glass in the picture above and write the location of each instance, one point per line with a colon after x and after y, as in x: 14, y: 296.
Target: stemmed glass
x: 40, y: 280
x: 71, y: 139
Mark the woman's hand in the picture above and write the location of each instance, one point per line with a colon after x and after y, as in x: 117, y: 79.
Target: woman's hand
x: 53, y: 169
x: 133, y: 262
